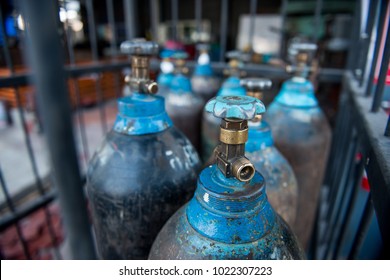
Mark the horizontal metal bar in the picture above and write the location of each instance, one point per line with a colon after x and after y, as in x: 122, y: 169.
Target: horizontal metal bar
x: 75, y: 71
x: 9, y: 219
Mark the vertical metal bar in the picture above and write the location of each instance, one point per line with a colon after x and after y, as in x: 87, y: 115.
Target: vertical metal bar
x: 198, y: 16
x: 362, y: 229
x: 94, y: 48
x: 354, y: 39
x: 130, y: 18
x: 175, y: 18
x: 345, y: 186
x: 76, y: 89
x: 387, y: 130
x: 283, y: 14
x: 378, y: 96
x: 113, y: 42
x: 154, y: 18
x: 12, y: 208
x: 369, y: 29
x: 223, y: 28
x: 317, y: 20
x: 50, y: 77
x: 252, y: 11
x: 27, y: 138
x: 379, y: 27
x: 350, y: 206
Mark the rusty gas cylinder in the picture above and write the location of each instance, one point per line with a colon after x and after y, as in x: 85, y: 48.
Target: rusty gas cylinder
x: 282, y: 188
x: 302, y: 134
x: 229, y: 216
x: 144, y: 170
x: 182, y: 105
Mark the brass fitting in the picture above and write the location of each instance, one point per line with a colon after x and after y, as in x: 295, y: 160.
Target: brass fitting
x: 255, y: 94
x: 243, y: 169
x: 230, y: 154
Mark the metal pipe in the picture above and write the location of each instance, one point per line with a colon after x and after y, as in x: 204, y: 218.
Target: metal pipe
x: 154, y: 18
x: 175, y: 18
x: 46, y: 59
x: 253, y: 9
x: 283, y: 14
x: 223, y: 28
x: 198, y: 16
x: 380, y: 27
x: 129, y: 7
x: 317, y: 19
x: 378, y: 96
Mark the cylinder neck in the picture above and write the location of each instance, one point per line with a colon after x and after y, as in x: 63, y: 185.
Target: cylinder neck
x: 238, y: 211
x: 230, y: 154
x: 260, y: 137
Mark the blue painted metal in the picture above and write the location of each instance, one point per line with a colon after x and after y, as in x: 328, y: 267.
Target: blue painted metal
x: 239, y: 107
x: 282, y: 187
x: 232, y: 87
x: 142, y: 173
x: 227, y: 218
x: 141, y: 114
x: 302, y: 134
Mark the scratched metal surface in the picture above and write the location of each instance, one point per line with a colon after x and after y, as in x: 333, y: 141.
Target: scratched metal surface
x: 143, y: 172
x: 302, y: 134
x: 226, y: 219
x: 282, y: 187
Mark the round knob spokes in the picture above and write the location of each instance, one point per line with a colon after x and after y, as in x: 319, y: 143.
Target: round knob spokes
x: 256, y: 84
x: 235, y: 107
x: 139, y: 47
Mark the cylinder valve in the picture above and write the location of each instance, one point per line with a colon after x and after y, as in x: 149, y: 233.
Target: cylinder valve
x: 235, y: 111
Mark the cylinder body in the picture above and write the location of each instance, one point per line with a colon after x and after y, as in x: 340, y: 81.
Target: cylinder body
x: 136, y: 182
x: 226, y: 219
x: 282, y: 187
x: 302, y: 134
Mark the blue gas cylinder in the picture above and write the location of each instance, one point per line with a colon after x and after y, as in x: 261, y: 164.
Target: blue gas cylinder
x: 230, y: 87
x: 229, y: 216
x: 204, y: 81
x: 144, y: 170
x: 282, y: 188
x: 182, y: 105
x: 302, y: 134
x: 164, y: 78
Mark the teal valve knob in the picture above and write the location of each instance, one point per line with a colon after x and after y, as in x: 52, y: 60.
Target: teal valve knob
x: 235, y: 112
x: 235, y: 107
x: 256, y: 86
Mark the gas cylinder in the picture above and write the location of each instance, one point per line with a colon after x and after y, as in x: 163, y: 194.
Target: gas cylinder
x: 230, y: 87
x: 166, y: 75
x: 144, y: 170
x: 204, y: 82
x: 302, y: 134
x: 182, y: 105
x: 229, y: 216
x: 282, y: 188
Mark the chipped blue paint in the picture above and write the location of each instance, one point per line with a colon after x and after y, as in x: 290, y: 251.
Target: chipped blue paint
x: 232, y: 87
x: 180, y: 84
x: 297, y: 92
x: 140, y: 114
x: 259, y: 137
x: 239, y: 107
x: 226, y: 219
x: 230, y: 211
